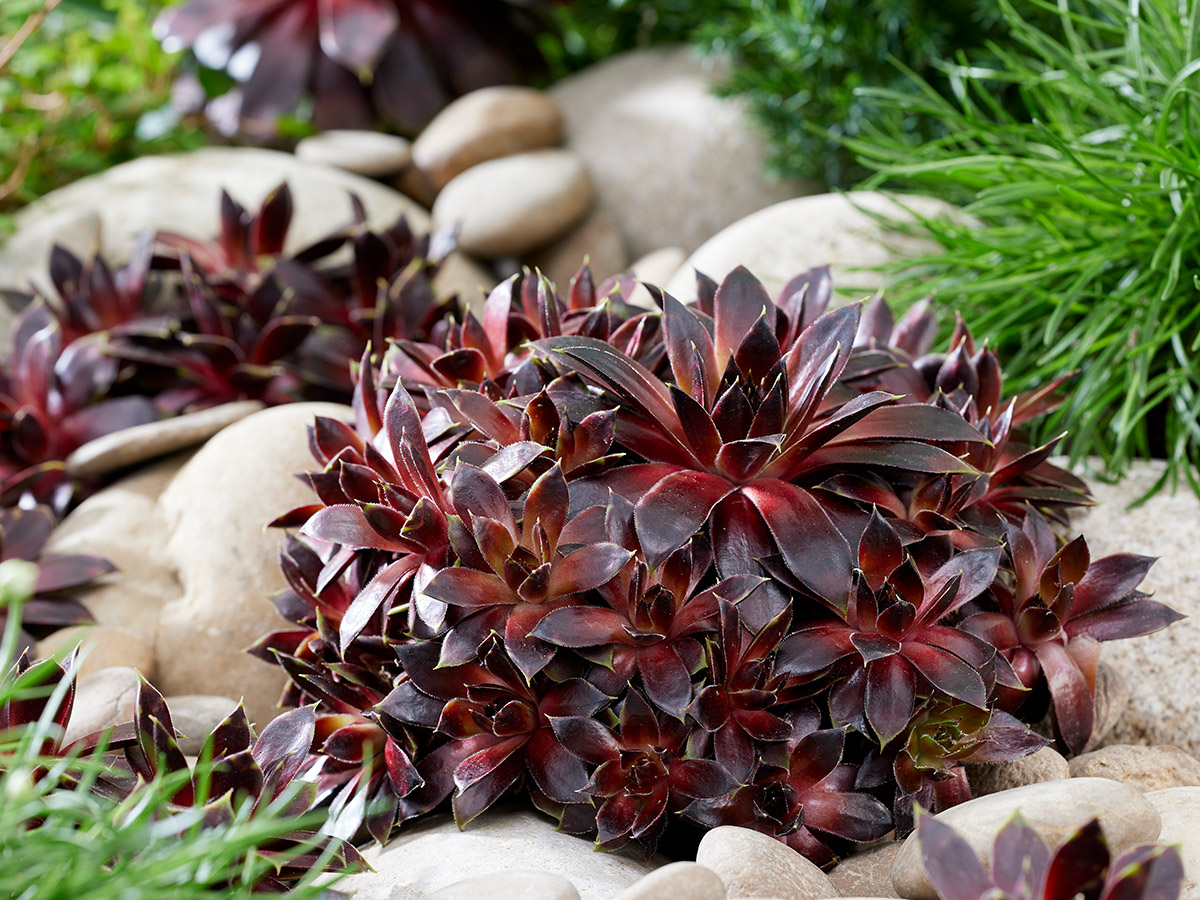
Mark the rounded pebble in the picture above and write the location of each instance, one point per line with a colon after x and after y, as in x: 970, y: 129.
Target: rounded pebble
x: 751, y: 864
x: 195, y: 716
x: 1145, y: 768
x: 868, y: 872
x: 678, y: 881
x: 104, y: 698
x: 515, y: 884
x: 370, y: 153
x: 991, y: 778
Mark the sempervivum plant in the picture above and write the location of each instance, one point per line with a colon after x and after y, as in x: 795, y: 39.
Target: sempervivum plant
x: 357, y: 61
x: 1023, y: 867
x: 751, y: 562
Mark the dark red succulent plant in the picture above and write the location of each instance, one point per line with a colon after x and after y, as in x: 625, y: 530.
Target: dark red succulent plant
x: 359, y: 61
x: 1024, y: 867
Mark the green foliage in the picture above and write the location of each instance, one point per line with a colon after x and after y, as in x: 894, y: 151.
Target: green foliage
x: 800, y: 63
x: 89, y: 88
x: 1092, y: 253
x: 60, y: 840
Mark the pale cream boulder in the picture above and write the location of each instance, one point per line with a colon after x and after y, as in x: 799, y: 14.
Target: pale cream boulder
x: 654, y: 268
x: 101, y: 647
x: 837, y: 230
x: 370, y: 153
x: 1054, y: 809
x: 25, y: 256
x: 674, y: 163
x: 1145, y: 768
x: 432, y: 853
x: 485, y: 124
x: 509, y: 206
x: 194, y: 717
x: 752, y: 864
x: 1180, y: 811
x: 677, y: 881
x: 597, y: 238
x: 463, y: 276
x: 992, y: 778
x: 520, y: 884
x: 103, y: 698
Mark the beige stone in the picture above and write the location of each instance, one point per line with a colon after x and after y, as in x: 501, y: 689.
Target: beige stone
x: 1111, y: 701
x: 867, y: 873
x: 216, y: 510
x: 486, y: 124
x: 415, y: 185
x: 182, y: 193
x: 370, y: 153
x: 597, y: 238
x: 101, y: 647
x: 195, y: 716
x: 1154, y: 666
x: 991, y: 778
x: 461, y: 275
x: 512, y: 205
x: 1145, y: 768
x: 674, y: 163
x: 656, y: 268
x: 432, y: 853
x: 1180, y: 811
x: 839, y: 230
x: 752, y: 864
x: 1054, y: 809
x: 522, y: 884
x: 678, y: 881
x: 25, y: 256
x: 104, y: 698
x: 131, y: 446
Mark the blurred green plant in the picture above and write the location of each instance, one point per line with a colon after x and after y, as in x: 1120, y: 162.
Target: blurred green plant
x: 62, y: 840
x: 83, y: 86
x: 800, y: 63
x: 1090, y: 258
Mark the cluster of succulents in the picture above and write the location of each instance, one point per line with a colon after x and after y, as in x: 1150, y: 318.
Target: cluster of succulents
x: 1024, y: 868
x: 186, y: 324
x: 750, y: 561
x: 237, y: 774
x: 358, y: 63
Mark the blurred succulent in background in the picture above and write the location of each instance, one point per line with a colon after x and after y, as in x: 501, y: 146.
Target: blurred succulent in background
x: 748, y: 562
x: 1025, y: 868
x: 357, y: 62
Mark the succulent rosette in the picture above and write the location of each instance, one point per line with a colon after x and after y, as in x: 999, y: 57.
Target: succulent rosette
x: 359, y: 62
x: 753, y: 561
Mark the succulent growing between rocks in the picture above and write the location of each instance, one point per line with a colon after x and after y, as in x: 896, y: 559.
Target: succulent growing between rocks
x: 746, y: 563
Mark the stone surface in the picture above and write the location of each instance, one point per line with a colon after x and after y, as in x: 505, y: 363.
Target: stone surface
x: 486, y: 124
x: 1054, y: 809
x: 1111, y: 701
x: 751, y: 864
x: 131, y: 446
x: 25, y: 257
x: 195, y: 716
x: 674, y: 163
x: 1154, y: 666
x: 471, y: 281
x: 1145, y: 768
x: 182, y: 193
x: 520, y: 884
x: 370, y: 153
x: 226, y: 561
x: 101, y: 647
x: 107, y: 697
x: 598, y: 237
x: 415, y: 184
x: 784, y: 240
x: 432, y: 854
x: 513, y: 205
x: 654, y: 268
x: 1179, y: 809
x: 991, y: 778
x: 868, y: 873
x: 678, y: 881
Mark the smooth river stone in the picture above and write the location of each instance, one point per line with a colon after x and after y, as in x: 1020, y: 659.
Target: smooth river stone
x: 678, y: 881
x: 992, y: 778
x: 1180, y: 811
x: 751, y: 864
x: 1145, y: 768
x: 369, y: 153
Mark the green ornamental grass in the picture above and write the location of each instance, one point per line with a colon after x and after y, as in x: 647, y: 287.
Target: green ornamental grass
x: 1090, y: 251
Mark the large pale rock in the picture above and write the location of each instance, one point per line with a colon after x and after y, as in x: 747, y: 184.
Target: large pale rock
x: 104, y: 698
x: 839, y: 230
x: 991, y: 778
x: 674, y: 163
x: 227, y: 562
x: 195, y: 716
x: 182, y: 193
x: 486, y: 124
x: 433, y: 854
x: 123, y: 524
x: 513, y: 205
x: 471, y: 281
x: 678, y: 881
x: 130, y: 446
x: 751, y: 864
x: 654, y: 268
x: 101, y: 647
x: 1154, y: 666
x: 867, y: 874
x: 1054, y: 809
x: 598, y: 238
x: 1145, y: 768
x: 25, y: 257
x: 370, y: 153
x: 520, y: 884
x: 1180, y: 811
